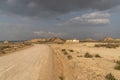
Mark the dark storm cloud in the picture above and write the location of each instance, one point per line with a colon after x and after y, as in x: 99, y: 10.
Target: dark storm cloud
x: 46, y: 8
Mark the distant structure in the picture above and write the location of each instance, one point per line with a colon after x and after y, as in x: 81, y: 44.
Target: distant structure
x: 72, y: 41
x: 5, y: 42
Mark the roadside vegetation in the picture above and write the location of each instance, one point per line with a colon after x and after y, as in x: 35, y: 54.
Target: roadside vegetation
x: 11, y: 47
x: 110, y: 77
x: 108, y: 45
x: 65, y: 52
x: 117, y: 67
x: 88, y: 55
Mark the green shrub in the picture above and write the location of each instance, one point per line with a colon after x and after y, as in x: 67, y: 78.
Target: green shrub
x: 110, y: 77
x: 88, y: 55
x: 117, y: 67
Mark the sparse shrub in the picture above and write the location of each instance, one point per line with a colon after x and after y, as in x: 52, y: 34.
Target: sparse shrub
x: 97, y: 56
x: 69, y: 57
x: 110, y: 77
x: 118, y: 62
x: 65, y: 53
x: 61, y: 78
x: 63, y: 50
x: 107, y: 45
x: 117, y: 67
x: 4, y: 47
x: 88, y: 55
x: 80, y: 56
x: 71, y: 50
x: 3, y: 52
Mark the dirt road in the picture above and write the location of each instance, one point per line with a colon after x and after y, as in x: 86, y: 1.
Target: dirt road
x: 35, y: 63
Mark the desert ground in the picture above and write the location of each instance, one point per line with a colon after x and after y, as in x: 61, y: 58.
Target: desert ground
x: 81, y: 61
x: 72, y: 64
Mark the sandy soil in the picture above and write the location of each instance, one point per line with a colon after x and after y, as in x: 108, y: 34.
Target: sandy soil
x: 35, y: 63
x: 81, y: 68
x: 42, y: 62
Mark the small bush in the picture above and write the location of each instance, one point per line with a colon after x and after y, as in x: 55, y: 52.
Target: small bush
x: 88, y: 55
x: 117, y: 67
x: 69, y: 57
x: 63, y: 50
x: 71, y: 50
x: 65, y: 53
x: 61, y: 78
x: 97, y: 56
x: 110, y: 77
x: 118, y: 62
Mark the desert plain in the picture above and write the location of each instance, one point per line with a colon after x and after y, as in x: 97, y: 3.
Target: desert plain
x: 81, y: 61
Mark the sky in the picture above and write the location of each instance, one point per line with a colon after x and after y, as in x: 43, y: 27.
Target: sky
x: 27, y: 19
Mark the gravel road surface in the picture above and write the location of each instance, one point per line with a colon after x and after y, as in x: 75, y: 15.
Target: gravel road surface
x: 35, y: 63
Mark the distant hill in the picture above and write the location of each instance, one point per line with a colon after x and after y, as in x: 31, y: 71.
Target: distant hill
x: 89, y: 40
x: 54, y: 40
x: 110, y: 39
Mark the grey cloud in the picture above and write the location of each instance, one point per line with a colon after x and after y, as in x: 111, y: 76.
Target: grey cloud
x: 98, y: 18
x: 52, y: 8
x: 48, y: 34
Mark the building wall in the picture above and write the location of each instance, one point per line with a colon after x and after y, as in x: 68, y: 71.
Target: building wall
x: 72, y: 41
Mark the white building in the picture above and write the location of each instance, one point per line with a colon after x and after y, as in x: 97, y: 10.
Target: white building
x: 72, y: 41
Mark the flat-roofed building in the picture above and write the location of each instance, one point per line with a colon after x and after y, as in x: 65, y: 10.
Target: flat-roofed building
x: 72, y: 41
